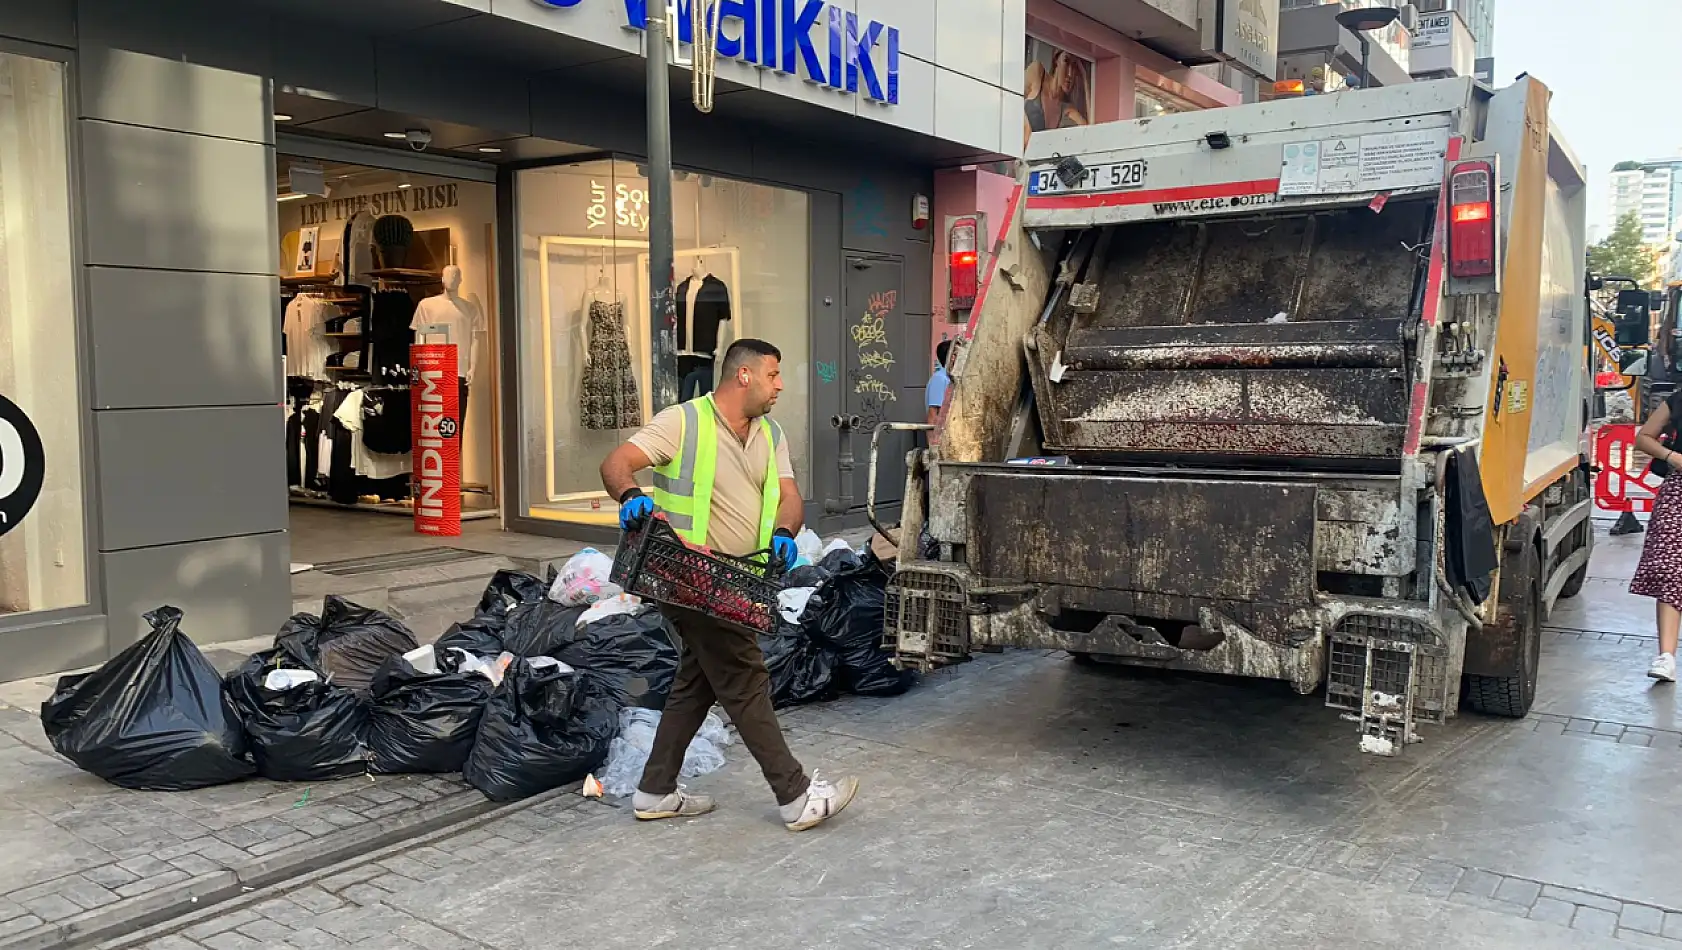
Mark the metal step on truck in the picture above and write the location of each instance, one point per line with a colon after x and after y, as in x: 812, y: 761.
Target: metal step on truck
x: 1294, y: 390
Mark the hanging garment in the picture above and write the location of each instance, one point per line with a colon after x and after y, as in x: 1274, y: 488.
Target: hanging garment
x: 702, y: 306
x: 356, y: 252
x: 695, y: 377
x: 304, y: 330
x: 301, y: 446
x: 386, y: 423
x: 608, y: 397
x: 353, y: 414
x: 388, y: 335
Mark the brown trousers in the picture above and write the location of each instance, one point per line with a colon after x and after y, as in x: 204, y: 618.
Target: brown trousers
x: 720, y: 664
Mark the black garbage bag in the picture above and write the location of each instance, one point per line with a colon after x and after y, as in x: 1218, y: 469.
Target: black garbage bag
x: 482, y: 635
x: 309, y: 733
x: 346, y: 644
x: 851, y: 621
x: 633, y: 658
x: 841, y: 559
x: 543, y: 727
x: 801, y: 670
x: 423, y: 722
x: 809, y: 575
x: 541, y: 628
x: 153, y: 717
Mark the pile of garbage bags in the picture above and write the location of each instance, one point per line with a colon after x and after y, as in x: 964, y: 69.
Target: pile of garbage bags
x: 548, y: 681
x: 828, y: 638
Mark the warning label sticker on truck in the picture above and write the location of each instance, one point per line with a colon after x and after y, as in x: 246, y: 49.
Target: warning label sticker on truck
x: 1384, y: 161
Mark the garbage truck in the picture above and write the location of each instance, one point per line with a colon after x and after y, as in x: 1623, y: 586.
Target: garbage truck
x: 1295, y: 390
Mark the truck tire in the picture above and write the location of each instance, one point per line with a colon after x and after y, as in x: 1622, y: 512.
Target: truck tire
x: 1521, y: 600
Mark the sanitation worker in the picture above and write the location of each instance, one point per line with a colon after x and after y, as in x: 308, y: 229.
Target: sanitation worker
x: 722, y: 478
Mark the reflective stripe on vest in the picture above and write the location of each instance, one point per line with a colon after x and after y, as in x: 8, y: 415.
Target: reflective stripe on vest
x: 683, y: 487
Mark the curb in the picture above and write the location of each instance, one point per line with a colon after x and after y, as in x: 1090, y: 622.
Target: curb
x: 213, y: 889
x: 137, y: 933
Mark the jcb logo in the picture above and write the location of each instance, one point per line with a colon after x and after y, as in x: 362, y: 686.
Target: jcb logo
x: 23, y: 465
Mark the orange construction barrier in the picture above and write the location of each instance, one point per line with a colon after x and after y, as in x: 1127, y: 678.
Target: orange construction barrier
x: 1624, y: 482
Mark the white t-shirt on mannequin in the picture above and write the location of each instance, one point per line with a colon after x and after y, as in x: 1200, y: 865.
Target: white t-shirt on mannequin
x: 464, y: 321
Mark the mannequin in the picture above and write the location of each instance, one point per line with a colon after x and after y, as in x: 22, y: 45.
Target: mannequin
x: 703, y: 307
x: 465, y: 322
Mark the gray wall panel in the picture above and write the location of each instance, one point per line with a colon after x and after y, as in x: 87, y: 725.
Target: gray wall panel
x: 173, y: 475
x: 225, y: 587
x: 179, y: 202
x: 39, y: 21
x: 208, y: 32
x: 142, y: 89
x: 51, y: 647
x: 218, y: 329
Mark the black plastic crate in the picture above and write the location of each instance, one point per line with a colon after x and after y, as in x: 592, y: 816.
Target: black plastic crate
x: 654, y: 563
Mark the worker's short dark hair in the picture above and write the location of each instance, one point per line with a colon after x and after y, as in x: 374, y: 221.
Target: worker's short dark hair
x: 742, y: 352
x: 942, y: 351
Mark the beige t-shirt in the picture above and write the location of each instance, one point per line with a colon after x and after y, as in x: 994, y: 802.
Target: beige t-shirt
x: 738, y: 487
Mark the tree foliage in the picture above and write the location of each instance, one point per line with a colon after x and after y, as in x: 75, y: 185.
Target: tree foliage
x: 1622, y: 253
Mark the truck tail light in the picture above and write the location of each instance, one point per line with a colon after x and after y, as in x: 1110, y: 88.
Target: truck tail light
x: 1471, y: 220
x: 961, y: 270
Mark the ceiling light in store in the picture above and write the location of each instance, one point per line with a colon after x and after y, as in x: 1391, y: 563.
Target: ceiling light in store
x: 490, y: 150
x: 291, y: 196
x: 282, y: 117
x: 397, y: 135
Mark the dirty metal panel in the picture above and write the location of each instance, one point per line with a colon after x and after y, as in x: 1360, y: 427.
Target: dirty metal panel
x: 1241, y: 334
x: 1364, y: 532
x: 1087, y: 437
x: 1221, y: 540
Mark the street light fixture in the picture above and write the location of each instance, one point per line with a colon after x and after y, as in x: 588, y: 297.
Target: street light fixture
x: 1361, y: 22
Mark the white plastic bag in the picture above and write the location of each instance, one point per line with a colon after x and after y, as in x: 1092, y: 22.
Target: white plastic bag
x: 628, y: 754
x: 809, y: 545
x: 607, y: 607
x: 839, y: 544
x: 492, y: 669
x: 584, y: 580
x: 791, y: 602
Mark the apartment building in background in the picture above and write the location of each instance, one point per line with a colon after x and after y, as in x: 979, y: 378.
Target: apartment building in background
x: 1651, y: 191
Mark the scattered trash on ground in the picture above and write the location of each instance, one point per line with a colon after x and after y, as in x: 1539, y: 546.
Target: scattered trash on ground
x: 628, y: 754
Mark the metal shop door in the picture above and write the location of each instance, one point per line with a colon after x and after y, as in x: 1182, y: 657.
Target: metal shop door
x: 873, y: 341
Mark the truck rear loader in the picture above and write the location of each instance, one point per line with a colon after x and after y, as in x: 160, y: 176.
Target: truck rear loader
x: 1294, y: 390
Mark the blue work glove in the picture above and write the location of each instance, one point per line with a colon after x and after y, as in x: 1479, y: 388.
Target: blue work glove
x: 634, y: 509
x: 783, y: 546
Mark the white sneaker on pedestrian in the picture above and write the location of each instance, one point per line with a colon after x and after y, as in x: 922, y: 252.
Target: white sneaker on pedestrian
x: 823, y: 801
x: 679, y: 804
x: 1663, y: 668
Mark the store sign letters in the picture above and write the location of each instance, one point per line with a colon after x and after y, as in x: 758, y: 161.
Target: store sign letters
x: 861, y: 56
x: 395, y: 201
x: 630, y: 206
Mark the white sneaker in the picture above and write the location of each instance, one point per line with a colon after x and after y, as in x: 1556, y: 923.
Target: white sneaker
x: 823, y: 801
x: 679, y: 804
x: 1663, y: 668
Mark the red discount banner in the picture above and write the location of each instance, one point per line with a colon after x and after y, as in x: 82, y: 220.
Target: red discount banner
x: 435, y: 401
x: 1624, y: 482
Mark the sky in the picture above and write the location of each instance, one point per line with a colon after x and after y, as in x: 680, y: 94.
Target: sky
x: 1615, y: 68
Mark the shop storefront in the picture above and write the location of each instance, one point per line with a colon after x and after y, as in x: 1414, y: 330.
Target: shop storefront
x: 233, y: 229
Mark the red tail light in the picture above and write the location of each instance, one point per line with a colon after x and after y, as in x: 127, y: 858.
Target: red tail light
x: 1471, y: 233
x: 961, y: 271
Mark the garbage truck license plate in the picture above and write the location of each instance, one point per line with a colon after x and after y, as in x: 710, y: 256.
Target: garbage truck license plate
x: 1115, y: 176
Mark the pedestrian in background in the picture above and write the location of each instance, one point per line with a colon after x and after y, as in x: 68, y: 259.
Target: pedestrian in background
x: 1659, y: 575
x: 940, y: 381
x: 724, y: 479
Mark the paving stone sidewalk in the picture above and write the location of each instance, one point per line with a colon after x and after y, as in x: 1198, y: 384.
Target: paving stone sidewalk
x: 83, y: 859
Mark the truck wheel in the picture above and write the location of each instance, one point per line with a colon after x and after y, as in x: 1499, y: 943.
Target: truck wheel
x: 1521, y: 599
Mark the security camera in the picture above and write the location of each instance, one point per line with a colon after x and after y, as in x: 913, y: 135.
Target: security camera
x: 418, y: 139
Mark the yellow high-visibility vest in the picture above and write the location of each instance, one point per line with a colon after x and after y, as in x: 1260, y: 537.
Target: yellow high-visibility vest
x: 683, y: 487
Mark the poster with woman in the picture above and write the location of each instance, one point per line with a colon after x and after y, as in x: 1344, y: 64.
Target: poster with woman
x: 1057, y: 91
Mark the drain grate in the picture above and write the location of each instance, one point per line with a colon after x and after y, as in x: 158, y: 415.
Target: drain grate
x: 399, y: 561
